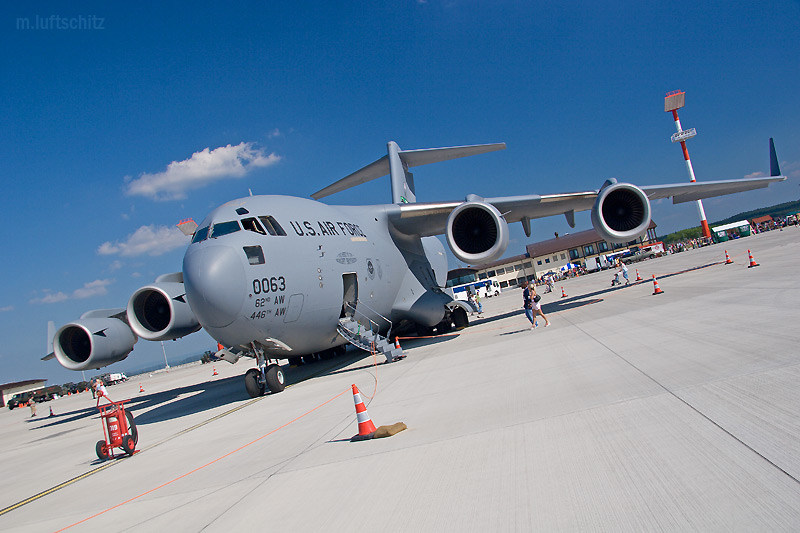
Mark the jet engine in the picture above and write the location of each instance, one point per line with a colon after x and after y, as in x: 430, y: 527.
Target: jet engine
x: 159, y: 312
x: 621, y: 212
x: 477, y: 232
x: 93, y: 343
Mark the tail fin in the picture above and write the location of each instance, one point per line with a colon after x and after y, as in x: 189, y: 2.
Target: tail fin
x: 397, y: 163
x: 774, y: 168
x: 51, y: 335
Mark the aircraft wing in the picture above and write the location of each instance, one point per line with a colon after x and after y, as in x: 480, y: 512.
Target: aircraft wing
x: 426, y: 219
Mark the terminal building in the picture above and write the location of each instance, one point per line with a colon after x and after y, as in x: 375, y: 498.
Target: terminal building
x: 554, y: 255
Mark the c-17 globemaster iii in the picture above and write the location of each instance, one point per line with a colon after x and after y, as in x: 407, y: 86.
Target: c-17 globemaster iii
x: 274, y: 277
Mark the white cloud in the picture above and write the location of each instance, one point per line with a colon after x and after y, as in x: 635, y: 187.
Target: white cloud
x: 755, y: 175
x: 202, y: 168
x: 92, y: 288
x: 116, y: 265
x: 274, y: 133
x: 150, y: 240
x: 6, y: 308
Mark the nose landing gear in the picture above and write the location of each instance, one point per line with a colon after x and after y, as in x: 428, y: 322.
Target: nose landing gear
x: 268, y: 375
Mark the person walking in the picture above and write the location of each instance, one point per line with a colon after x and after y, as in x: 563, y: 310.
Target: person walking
x: 530, y: 302
x: 33, y: 407
x: 624, y: 269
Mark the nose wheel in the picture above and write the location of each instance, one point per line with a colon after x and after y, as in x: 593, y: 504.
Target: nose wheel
x: 257, y: 382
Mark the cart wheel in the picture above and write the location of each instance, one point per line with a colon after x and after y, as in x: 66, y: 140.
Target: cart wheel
x: 253, y: 384
x: 102, y: 451
x: 132, y: 427
x: 128, y: 444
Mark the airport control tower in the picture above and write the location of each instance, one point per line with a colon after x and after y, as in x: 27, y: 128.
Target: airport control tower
x: 672, y: 102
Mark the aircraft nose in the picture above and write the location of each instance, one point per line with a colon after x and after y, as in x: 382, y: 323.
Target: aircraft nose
x: 215, y: 284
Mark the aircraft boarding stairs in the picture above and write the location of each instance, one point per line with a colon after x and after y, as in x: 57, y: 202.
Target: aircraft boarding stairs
x: 363, y: 332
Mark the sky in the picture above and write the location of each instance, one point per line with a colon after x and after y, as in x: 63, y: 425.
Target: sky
x: 120, y: 120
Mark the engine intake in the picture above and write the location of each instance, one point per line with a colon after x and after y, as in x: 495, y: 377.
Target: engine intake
x: 159, y: 312
x: 621, y: 212
x: 477, y: 232
x: 93, y: 343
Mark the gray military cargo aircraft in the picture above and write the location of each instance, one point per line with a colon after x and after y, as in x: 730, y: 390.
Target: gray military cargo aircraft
x: 274, y: 277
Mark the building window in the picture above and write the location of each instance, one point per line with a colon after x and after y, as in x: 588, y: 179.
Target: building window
x: 539, y: 262
x: 555, y: 258
x: 501, y: 271
x: 527, y: 265
x: 491, y: 273
x: 503, y: 284
x: 563, y: 257
x: 602, y: 246
x: 573, y: 254
x: 512, y: 283
x: 547, y: 260
x: 588, y: 250
x: 517, y: 267
x: 482, y: 275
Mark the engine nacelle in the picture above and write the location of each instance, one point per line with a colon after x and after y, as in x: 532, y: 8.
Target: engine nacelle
x: 477, y: 232
x: 159, y: 312
x: 621, y: 212
x: 93, y: 343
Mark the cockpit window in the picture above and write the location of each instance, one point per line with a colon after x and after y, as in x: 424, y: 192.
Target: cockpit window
x: 255, y: 255
x: 272, y: 225
x: 224, y: 228
x: 242, y: 211
x: 251, y: 224
x: 200, y: 235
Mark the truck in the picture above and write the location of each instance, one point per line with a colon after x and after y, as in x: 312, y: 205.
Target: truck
x: 650, y: 251
x: 116, y: 377
x: 596, y: 263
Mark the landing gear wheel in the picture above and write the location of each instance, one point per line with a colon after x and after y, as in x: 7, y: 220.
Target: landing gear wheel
x: 132, y: 427
x: 444, y: 326
x: 128, y: 444
x: 460, y: 318
x: 102, y: 451
x: 253, y: 384
x: 276, y: 381
x: 423, y: 331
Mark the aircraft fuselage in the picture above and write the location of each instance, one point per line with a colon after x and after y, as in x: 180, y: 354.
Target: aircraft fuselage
x: 285, y: 268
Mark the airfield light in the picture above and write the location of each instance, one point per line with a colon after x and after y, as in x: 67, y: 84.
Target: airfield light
x: 672, y: 102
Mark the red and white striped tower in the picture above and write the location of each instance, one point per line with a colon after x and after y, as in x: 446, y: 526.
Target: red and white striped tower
x: 672, y: 102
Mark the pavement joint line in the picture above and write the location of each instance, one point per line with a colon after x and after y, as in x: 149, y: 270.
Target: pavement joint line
x: 692, y: 407
x: 240, y: 448
x: 119, y: 460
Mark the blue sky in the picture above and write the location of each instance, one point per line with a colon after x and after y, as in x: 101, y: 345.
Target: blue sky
x: 143, y: 115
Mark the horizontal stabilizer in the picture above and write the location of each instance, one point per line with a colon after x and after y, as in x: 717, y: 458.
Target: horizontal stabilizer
x: 411, y: 158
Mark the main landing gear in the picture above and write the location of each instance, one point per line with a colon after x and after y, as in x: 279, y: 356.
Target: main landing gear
x: 268, y: 375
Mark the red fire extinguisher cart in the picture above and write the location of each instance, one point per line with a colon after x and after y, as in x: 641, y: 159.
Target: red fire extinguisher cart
x: 119, y: 429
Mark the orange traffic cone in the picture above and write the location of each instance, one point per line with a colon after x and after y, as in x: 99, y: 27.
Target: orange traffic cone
x: 397, y: 343
x: 656, y: 288
x: 728, y: 258
x: 563, y: 294
x: 752, y: 261
x: 140, y: 388
x: 51, y: 411
x: 365, y: 426
x: 638, y: 277
x: 215, y: 372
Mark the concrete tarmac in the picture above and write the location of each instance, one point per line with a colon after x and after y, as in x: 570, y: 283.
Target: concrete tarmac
x: 632, y: 412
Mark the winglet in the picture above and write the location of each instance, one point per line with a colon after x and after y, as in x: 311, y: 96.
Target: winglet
x: 774, y: 168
